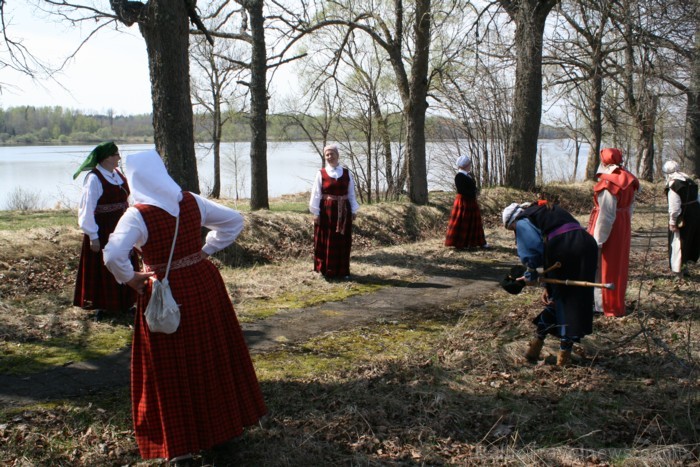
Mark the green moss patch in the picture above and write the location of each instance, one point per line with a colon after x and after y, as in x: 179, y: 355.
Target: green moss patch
x: 30, y: 357
x: 257, y: 309
x: 341, y: 352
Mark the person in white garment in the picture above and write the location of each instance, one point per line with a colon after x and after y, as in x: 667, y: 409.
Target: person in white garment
x: 104, y: 199
x: 683, y: 218
x: 334, y: 207
x: 610, y: 224
x: 174, y: 420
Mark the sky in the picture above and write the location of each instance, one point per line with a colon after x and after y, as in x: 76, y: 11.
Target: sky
x: 109, y: 72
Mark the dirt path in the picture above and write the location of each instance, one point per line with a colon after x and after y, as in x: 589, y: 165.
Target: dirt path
x: 291, y: 326
x: 286, y: 327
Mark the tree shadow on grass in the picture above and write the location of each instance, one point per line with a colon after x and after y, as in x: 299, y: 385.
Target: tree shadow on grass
x: 447, y: 266
x: 464, y: 400
x: 435, y: 414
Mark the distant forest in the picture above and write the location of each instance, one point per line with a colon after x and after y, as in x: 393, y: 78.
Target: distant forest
x: 27, y: 125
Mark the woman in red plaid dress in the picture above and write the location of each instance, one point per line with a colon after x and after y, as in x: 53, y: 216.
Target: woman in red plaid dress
x: 334, y: 207
x: 103, y: 201
x: 195, y: 388
x: 465, y: 229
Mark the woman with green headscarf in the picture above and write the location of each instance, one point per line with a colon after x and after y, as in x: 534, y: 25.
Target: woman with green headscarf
x: 103, y: 201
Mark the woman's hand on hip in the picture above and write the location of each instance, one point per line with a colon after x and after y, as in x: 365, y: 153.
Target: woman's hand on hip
x: 139, y: 281
x: 95, y: 245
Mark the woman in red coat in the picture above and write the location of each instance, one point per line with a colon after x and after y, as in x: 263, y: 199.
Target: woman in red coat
x: 465, y: 229
x: 334, y: 207
x: 194, y: 388
x: 611, y: 226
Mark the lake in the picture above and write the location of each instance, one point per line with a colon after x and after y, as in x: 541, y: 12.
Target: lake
x: 47, y: 171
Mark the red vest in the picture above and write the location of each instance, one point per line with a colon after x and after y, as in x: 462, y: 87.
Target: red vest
x: 335, y: 187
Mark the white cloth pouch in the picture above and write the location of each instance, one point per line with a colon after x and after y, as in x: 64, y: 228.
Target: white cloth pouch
x: 162, y: 312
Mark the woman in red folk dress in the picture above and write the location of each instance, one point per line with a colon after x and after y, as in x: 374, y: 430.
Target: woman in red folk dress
x: 195, y: 388
x: 611, y: 226
x: 103, y: 201
x: 465, y: 229
x: 334, y: 207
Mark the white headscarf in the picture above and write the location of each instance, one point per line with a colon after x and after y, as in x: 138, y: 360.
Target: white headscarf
x: 510, y: 213
x: 610, y: 159
x: 671, y: 170
x: 670, y: 167
x: 463, y: 161
x: 606, y: 169
x: 150, y: 183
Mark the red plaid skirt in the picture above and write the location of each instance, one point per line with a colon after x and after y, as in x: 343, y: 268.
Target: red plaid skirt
x: 96, y: 287
x: 331, y: 248
x: 465, y: 229
x: 195, y: 388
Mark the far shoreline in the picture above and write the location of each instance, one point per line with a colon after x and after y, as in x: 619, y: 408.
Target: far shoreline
x: 141, y: 141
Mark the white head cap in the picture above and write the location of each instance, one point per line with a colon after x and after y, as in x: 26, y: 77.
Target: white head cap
x: 670, y: 167
x: 605, y: 169
x: 463, y: 161
x: 510, y: 213
x: 332, y: 148
x: 150, y: 183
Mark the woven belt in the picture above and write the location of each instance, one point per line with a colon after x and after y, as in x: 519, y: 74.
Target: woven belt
x: 568, y: 227
x: 342, y: 211
x: 102, y: 208
x: 183, y: 262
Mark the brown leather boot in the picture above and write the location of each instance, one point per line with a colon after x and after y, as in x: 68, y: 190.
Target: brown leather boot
x: 534, y: 349
x: 564, y: 357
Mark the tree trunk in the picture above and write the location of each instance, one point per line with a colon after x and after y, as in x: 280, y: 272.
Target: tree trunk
x: 385, y: 138
x: 646, y: 154
x: 596, y: 123
x: 417, y: 105
x: 692, y: 112
x: 166, y: 32
x: 641, y: 107
x: 577, y: 155
x: 368, y: 140
x: 258, y: 108
x: 216, y: 137
x: 647, y: 129
x: 692, y: 131
x: 529, y: 17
